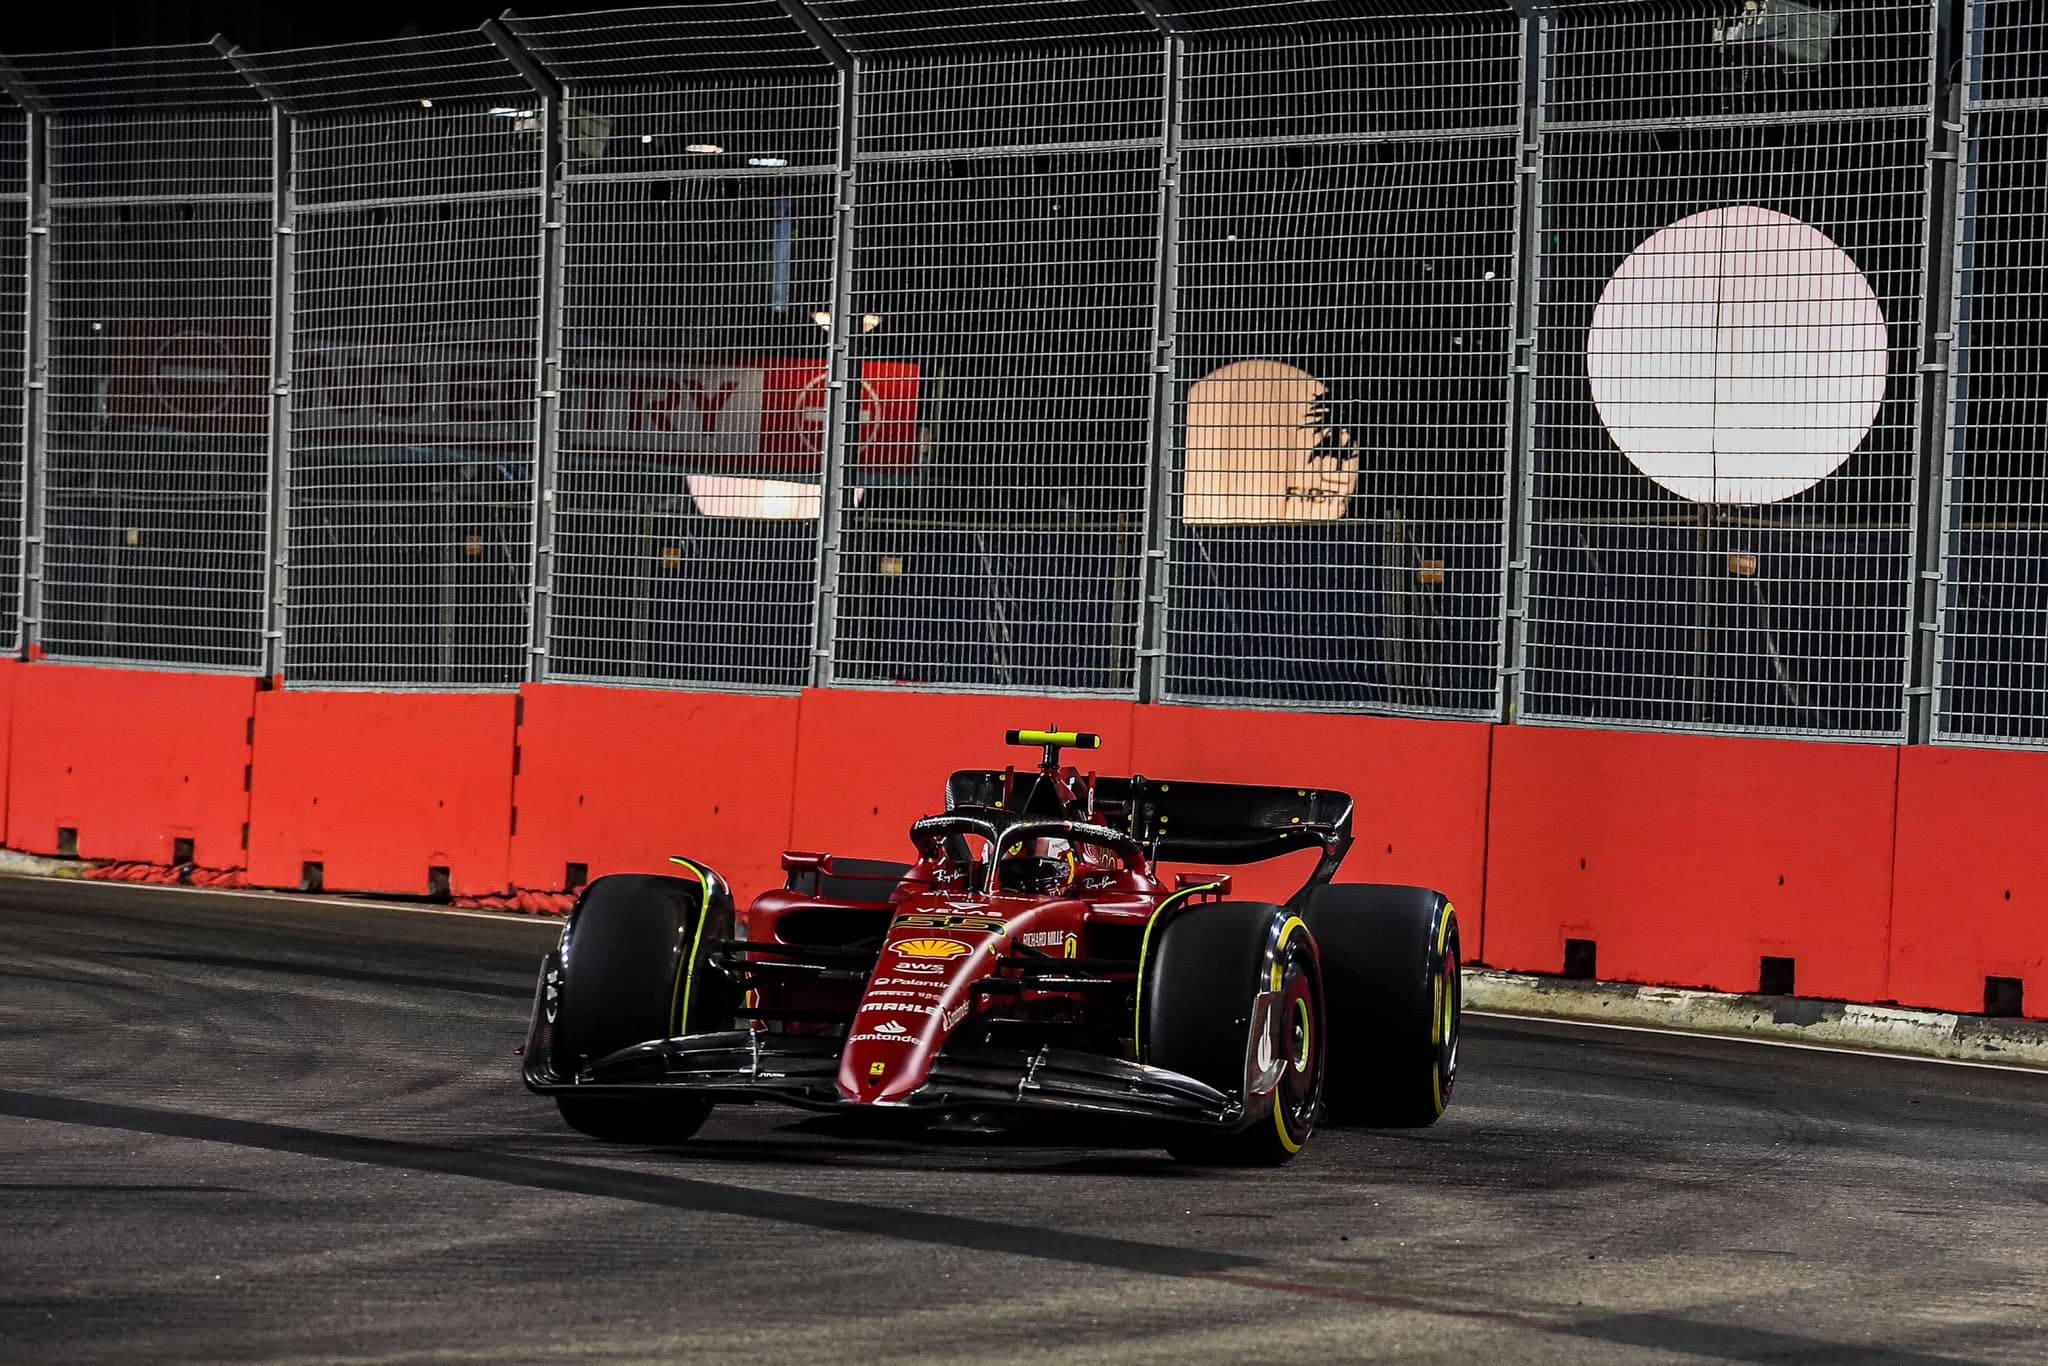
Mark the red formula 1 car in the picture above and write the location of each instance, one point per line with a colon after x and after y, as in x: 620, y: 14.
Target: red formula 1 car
x: 1031, y: 959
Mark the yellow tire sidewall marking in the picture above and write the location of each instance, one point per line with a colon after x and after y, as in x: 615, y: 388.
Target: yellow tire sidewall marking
x: 679, y: 1000
x: 1440, y: 1009
x: 1287, y: 1140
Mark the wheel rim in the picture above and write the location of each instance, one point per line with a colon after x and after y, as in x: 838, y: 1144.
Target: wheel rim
x: 1450, y: 1008
x: 1301, y: 1086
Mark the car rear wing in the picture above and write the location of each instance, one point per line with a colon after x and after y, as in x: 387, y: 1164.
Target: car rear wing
x: 1184, y: 822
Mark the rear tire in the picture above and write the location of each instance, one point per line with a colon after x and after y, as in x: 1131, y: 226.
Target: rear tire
x: 1390, y: 956
x: 1208, y: 964
x: 633, y: 941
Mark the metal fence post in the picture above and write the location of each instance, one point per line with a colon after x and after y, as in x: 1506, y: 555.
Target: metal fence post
x: 548, y: 341
x: 36, y: 413
x: 842, y: 396
x: 35, y: 370
x: 1937, y: 398
x: 833, y: 465
x: 277, y: 501
x: 278, y: 594
x: 1155, y: 581
x: 1521, y: 473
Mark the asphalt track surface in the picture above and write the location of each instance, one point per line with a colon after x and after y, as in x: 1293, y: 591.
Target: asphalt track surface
x: 238, y: 1128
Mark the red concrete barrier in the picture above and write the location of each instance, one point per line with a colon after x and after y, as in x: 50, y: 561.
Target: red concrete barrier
x: 1419, y: 788
x: 871, y: 762
x: 132, y: 760
x: 1686, y: 860
x: 1970, y: 889
x: 1868, y: 873
x: 380, y: 788
x: 618, y: 779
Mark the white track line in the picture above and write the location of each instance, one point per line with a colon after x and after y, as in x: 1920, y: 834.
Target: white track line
x: 290, y: 899
x: 1752, y: 1039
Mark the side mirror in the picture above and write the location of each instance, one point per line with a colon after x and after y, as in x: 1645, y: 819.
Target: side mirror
x: 803, y: 870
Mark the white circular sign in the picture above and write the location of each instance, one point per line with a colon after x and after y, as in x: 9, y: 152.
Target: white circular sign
x: 194, y: 374
x: 1738, y: 356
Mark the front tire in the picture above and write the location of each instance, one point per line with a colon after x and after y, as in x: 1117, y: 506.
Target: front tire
x: 1391, y: 958
x: 1209, y: 966
x: 634, y: 971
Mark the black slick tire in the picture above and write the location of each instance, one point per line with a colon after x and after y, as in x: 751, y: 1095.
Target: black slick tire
x: 632, y: 943
x: 1204, y: 973
x: 1390, y: 958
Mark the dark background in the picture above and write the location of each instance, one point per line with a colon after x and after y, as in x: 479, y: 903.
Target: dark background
x: 61, y: 24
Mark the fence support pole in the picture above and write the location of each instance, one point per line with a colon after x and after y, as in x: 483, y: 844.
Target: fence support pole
x: 842, y: 403
x: 35, y: 371
x: 548, y: 343
x: 1938, y: 396
x: 1519, y: 486
x: 278, y: 481
x: 1154, y: 579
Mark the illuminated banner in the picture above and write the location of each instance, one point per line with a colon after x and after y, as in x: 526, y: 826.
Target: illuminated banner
x: 428, y: 391
x: 1260, y: 448
x: 753, y: 416
x: 761, y: 416
x: 212, y: 379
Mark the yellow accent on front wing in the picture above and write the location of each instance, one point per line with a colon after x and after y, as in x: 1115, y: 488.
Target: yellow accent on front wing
x: 686, y: 978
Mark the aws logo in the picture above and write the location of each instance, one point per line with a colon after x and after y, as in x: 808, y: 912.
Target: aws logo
x: 930, y: 948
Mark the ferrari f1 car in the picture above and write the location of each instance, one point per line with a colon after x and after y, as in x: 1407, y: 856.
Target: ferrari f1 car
x: 1031, y: 959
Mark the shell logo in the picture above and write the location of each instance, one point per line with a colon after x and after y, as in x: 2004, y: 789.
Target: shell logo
x: 930, y: 948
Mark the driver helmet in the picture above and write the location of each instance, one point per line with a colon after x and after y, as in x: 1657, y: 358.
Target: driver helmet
x: 1037, y: 865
